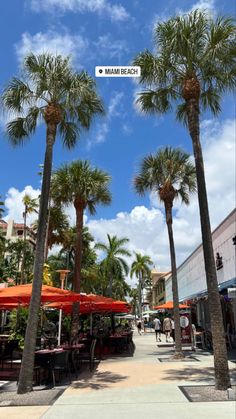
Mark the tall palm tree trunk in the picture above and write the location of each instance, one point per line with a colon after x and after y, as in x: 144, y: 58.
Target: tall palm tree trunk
x: 78, y: 246
x: 222, y: 378
x: 140, y: 294
x: 77, y: 272
x: 22, y: 279
x: 110, y: 285
x: 47, y: 233
x: 27, y: 365
x: 178, y: 344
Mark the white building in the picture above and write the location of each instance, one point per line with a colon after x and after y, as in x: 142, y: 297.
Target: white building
x: 192, y: 279
x: 13, y: 231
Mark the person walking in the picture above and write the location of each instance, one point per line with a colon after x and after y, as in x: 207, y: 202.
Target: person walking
x: 167, y: 327
x: 139, y: 327
x: 173, y: 329
x: 157, y: 328
x: 145, y: 325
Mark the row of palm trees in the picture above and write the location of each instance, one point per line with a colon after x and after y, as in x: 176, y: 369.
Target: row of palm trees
x: 192, y: 67
x: 194, y: 64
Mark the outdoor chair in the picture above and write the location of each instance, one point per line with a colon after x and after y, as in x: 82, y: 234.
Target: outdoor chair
x: 41, y: 362
x: 7, y: 352
x: 59, y: 365
x: 75, y: 360
x: 88, y: 356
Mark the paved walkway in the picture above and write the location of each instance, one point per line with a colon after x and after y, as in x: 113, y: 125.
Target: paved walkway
x: 134, y: 388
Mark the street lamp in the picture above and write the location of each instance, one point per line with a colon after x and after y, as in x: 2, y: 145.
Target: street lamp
x: 63, y: 274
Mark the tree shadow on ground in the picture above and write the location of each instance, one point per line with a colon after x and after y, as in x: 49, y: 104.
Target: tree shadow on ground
x: 97, y: 380
x: 201, y: 373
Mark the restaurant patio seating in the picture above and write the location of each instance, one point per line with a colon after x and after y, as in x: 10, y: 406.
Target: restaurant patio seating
x: 59, y: 365
x: 6, y: 351
x: 88, y: 356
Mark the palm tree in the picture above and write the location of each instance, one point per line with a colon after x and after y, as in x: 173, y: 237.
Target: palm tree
x: 114, y: 265
x: 66, y: 101
x: 193, y: 66
x: 140, y: 268
x: 134, y: 294
x: 85, y: 187
x: 30, y: 206
x: 58, y: 225
x: 169, y: 173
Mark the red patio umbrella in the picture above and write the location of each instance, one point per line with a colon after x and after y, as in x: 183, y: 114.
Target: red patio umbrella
x: 169, y: 305
x: 21, y: 294
x: 94, y: 307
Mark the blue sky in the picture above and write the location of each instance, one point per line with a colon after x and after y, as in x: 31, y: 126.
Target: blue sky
x: 103, y: 32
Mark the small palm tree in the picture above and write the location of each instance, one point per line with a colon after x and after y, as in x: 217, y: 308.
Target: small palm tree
x: 66, y: 101
x: 134, y: 294
x: 170, y: 174
x: 194, y: 65
x: 85, y: 187
x: 58, y: 224
x: 30, y: 206
x: 114, y: 265
x: 141, y: 269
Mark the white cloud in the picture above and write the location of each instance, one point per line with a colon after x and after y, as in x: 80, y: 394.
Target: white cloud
x: 116, y: 12
x: 102, y: 128
x: 146, y: 228
x: 107, y: 47
x: 208, y: 5
x: 114, y: 104
x: 127, y: 129
x: 52, y: 42
x: 14, y: 205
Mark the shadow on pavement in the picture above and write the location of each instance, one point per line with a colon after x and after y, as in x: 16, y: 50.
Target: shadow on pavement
x: 193, y: 374
x: 97, y: 380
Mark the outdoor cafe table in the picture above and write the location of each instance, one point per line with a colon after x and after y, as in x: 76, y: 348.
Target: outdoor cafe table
x: 44, y: 358
x: 119, y: 341
x: 77, y: 346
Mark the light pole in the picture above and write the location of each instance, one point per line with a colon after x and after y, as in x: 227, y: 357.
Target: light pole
x: 63, y: 274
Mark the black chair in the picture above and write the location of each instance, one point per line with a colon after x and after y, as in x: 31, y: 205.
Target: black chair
x: 42, y: 361
x: 7, y: 351
x: 88, y: 356
x: 60, y: 364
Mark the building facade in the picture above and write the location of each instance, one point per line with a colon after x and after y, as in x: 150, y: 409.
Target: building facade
x: 14, y: 231
x: 158, y: 295
x: 192, y: 279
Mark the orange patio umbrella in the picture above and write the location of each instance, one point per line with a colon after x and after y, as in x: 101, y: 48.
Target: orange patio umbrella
x: 94, y: 307
x: 99, y: 298
x: 21, y: 294
x: 169, y: 305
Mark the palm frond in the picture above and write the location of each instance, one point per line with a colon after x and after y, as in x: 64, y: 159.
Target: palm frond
x: 69, y: 132
x: 181, y: 113
x: 211, y: 99
x: 17, y: 131
x: 16, y: 95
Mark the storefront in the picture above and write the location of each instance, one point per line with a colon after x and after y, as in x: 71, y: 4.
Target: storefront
x: 192, y: 280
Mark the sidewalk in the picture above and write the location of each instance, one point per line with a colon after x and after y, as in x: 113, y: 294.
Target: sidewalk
x: 135, y: 387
